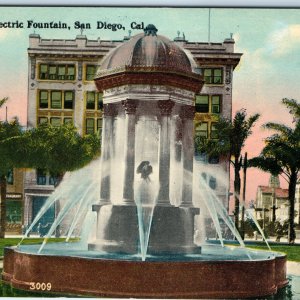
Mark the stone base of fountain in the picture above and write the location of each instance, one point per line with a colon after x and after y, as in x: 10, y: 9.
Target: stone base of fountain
x: 119, y: 231
x: 137, y: 279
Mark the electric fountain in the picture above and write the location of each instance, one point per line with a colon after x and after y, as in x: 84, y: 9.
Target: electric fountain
x: 141, y: 230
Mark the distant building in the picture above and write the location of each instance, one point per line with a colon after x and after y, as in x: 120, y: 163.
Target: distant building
x: 270, y: 198
x: 61, y: 90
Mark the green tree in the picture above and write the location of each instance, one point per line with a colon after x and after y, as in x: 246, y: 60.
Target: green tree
x: 55, y: 149
x: 281, y: 155
x: 232, y: 135
x: 59, y: 149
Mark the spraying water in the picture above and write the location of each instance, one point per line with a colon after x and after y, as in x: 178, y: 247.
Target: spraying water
x: 71, y: 195
x: 221, y: 178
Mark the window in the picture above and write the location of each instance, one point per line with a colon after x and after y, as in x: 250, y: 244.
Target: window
x: 100, y: 101
x: 56, y: 99
x: 216, y: 104
x: 53, y: 179
x: 208, y: 104
x: 212, y: 182
x: 43, y: 97
x: 13, y: 211
x: 68, y: 121
x: 55, y: 122
x: 202, y: 130
x: 61, y: 72
x: 48, y: 217
x: 43, y: 71
x: 10, y: 177
x: 90, y: 100
x: 57, y: 72
x: 213, y: 75
x: 93, y: 99
x: 68, y: 99
x: 213, y: 131
x: 52, y: 73
x: 70, y: 73
x: 202, y: 103
x: 40, y: 177
x: 43, y: 120
x: 90, y: 72
x: 45, y: 178
x: 213, y: 159
x: 90, y: 126
x: 99, y: 124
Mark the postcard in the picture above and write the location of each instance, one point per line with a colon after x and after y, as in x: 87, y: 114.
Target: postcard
x: 149, y: 152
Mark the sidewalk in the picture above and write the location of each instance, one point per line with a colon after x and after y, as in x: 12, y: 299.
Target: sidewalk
x: 293, y: 268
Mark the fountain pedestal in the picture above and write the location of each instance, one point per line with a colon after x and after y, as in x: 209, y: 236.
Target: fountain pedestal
x: 172, y: 229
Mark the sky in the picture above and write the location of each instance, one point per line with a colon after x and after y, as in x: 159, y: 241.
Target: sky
x: 268, y: 38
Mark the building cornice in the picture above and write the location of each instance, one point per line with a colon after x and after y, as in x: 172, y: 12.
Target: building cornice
x: 149, y: 76
x: 148, y: 93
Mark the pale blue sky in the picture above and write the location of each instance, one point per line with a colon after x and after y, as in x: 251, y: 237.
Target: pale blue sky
x: 269, y: 39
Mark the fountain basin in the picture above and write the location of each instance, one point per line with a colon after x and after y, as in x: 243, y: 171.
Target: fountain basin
x: 213, y: 274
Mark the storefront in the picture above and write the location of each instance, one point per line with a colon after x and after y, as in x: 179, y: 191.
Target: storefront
x: 14, y: 208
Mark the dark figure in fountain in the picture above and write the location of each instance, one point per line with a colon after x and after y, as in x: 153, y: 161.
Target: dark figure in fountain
x: 145, y: 169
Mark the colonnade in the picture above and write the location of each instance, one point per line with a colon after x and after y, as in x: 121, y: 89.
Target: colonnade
x: 165, y: 108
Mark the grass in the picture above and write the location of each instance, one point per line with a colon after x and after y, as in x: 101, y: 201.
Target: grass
x: 6, y: 242
x: 292, y: 251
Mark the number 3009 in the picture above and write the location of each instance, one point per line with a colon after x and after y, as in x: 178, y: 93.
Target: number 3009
x: 40, y: 286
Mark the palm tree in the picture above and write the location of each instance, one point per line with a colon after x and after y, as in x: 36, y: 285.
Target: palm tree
x: 281, y: 155
x: 232, y: 135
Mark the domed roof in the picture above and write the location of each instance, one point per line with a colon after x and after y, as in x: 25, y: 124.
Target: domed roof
x: 149, y: 59
x: 147, y: 51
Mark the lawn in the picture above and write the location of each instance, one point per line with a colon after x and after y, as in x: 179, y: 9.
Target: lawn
x: 292, y: 251
x: 14, y: 241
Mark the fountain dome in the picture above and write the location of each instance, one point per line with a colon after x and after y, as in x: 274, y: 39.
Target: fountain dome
x: 148, y: 53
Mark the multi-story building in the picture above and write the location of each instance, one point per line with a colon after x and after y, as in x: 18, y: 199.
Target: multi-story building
x: 61, y: 90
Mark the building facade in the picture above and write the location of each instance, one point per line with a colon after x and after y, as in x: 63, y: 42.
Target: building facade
x: 272, y: 202
x: 61, y: 90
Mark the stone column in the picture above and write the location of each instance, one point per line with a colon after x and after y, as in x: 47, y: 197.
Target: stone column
x: 129, y: 151
x: 109, y: 112
x: 165, y: 107
x: 187, y: 115
x: 178, y: 139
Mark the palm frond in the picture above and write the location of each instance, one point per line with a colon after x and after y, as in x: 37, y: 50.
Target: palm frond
x: 293, y: 105
x: 2, y: 101
x: 281, y: 128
